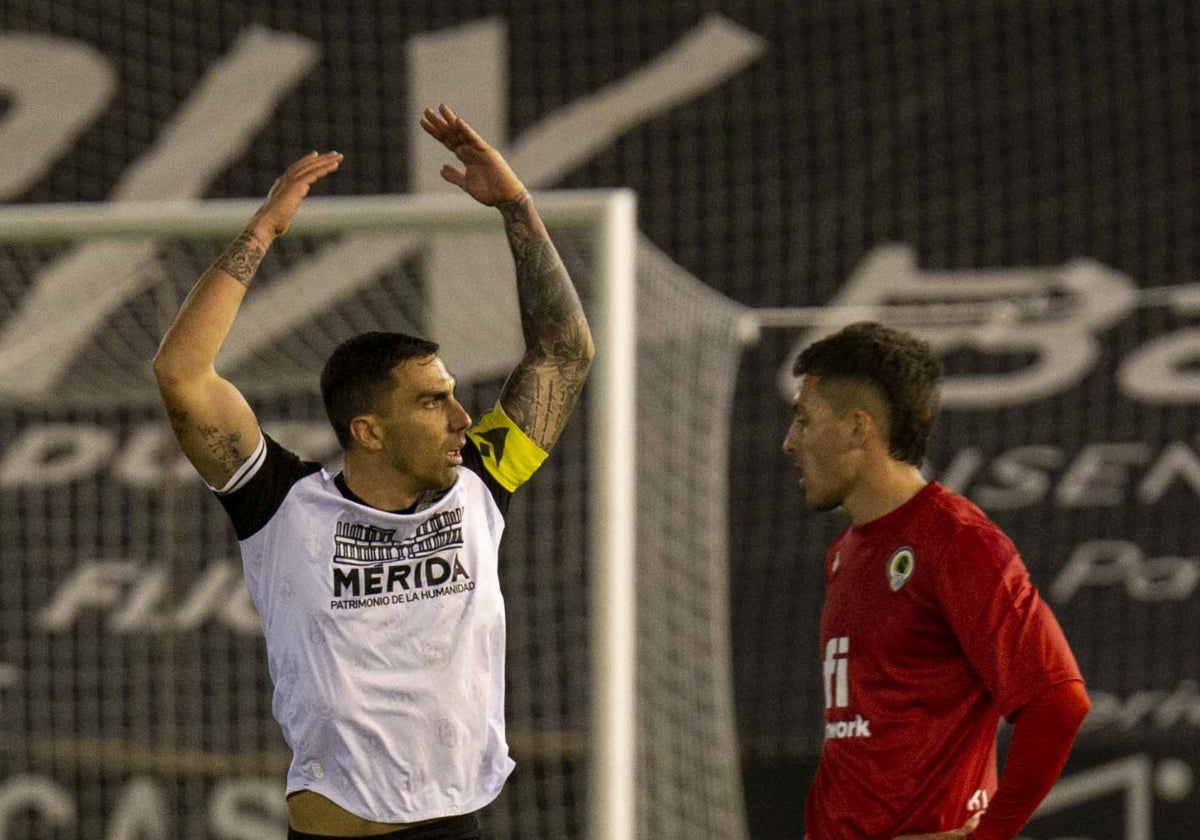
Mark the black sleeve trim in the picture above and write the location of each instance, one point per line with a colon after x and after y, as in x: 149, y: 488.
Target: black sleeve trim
x: 252, y: 505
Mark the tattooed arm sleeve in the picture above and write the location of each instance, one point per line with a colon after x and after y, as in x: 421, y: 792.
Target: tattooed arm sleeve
x: 211, y: 419
x: 543, y: 389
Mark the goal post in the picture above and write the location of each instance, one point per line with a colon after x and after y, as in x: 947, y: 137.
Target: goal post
x: 656, y: 613
x: 612, y: 812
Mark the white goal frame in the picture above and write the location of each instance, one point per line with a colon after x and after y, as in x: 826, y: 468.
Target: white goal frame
x: 611, y: 217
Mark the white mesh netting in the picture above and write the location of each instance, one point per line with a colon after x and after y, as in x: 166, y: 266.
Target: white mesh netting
x: 135, y: 693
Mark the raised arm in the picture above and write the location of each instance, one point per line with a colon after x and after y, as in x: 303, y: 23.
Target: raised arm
x: 214, y: 424
x: 545, y: 385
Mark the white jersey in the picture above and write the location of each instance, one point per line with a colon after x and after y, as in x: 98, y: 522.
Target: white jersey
x: 385, y: 631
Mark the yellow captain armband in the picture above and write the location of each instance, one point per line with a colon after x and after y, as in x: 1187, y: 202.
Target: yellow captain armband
x: 508, y: 453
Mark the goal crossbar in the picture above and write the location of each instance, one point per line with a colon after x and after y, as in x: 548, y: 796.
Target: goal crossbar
x: 319, y: 214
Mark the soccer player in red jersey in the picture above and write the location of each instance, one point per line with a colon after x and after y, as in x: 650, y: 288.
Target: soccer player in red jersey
x: 931, y: 630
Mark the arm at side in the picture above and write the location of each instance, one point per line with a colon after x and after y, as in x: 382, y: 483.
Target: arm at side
x: 1044, y: 730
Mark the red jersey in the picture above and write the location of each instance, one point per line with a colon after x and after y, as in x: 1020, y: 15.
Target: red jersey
x: 931, y: 631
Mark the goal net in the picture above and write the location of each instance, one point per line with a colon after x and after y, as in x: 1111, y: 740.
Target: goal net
x: 133, y: 681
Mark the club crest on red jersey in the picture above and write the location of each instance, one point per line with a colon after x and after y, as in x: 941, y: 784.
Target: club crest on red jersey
x: 900, y: 567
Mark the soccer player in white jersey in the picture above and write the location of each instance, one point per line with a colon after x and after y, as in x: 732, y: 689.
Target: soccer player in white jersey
x: 378, y: 586
x: 931, y: 630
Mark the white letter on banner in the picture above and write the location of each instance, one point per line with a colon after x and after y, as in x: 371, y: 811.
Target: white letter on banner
x: 151, y: 456
x: 50, y: 800
x: 1108, y: 562
x: 248, y: 809
x: 1177, y: 462
x: 239, y: 613
x: 472, y: 286
x: 208, y: 595
x: 76, y: 294
x: 93, y: 585
x: 546, y: 152
x: 1163, y: 369
x: 141, y: 813
x: 56, y: 453
x: 1096, y: 563
x: 1099, y: 475
x: 1023, y: 476
x: 1063, y: 341
x: 57, y: 88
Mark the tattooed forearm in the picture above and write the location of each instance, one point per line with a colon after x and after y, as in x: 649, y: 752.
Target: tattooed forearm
x: 552, y: 318
x: 545, y: 386
x: 240, y: 260
x: 539, y: 399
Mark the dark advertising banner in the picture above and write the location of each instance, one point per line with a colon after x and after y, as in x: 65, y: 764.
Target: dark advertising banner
x: 1015, y: 182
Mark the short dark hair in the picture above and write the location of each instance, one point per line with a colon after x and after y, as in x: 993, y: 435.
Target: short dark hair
x: 901, y: 368
x: 358, y: 374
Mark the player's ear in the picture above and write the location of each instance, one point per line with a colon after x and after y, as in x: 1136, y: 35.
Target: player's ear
x: 862, y: 427
x: 367, y: 432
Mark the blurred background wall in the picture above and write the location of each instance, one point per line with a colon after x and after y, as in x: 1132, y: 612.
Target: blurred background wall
x: 1032, y: 163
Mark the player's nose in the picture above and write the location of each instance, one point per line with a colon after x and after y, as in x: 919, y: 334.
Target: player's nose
x: 789, y: 443
x: 460, y: 420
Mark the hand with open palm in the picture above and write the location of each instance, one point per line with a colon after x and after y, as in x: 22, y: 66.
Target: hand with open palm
x: 486, y: 175
x: 275, y: 215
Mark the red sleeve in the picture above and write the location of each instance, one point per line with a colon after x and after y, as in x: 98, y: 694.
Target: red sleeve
x: 1042, y: 737
x: 1006, y: 630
